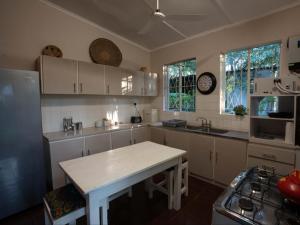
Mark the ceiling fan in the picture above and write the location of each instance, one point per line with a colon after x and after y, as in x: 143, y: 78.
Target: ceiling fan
x: 158, y: 16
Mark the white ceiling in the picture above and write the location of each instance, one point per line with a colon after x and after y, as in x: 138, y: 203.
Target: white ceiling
x: 127, y: 17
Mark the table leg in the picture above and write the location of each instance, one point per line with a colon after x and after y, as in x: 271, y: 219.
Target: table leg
x: 104, y: 209
x: 177, y: 184
x: 92, y: 210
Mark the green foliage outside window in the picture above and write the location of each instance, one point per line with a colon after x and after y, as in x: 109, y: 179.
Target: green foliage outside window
x: 181, y: 86
x: 262, y: 61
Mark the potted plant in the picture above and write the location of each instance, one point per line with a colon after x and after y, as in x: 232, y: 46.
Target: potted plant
x: 240, y: 110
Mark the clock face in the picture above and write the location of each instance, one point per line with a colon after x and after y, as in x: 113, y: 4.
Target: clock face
x: 206, y: 83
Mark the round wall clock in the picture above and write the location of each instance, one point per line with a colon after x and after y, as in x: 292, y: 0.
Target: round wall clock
x: 206, y: 83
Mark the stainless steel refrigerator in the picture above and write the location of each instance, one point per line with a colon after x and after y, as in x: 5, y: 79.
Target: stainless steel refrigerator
x: 22, y: 172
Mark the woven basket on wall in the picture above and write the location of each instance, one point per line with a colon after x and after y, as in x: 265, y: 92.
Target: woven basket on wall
x: 104, y: 51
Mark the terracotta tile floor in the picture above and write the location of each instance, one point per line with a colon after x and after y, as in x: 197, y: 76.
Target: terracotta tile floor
x: 139, y: 210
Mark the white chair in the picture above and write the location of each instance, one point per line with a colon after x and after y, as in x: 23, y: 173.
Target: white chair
x: 65, y: 205
x: 166, y: 185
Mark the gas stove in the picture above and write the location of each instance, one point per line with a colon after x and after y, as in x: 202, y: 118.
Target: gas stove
x: 253, y: 198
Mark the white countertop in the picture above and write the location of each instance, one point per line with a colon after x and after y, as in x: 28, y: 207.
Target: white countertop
x: 99, y: 170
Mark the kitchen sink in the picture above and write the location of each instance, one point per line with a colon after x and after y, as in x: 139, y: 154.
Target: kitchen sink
x: 205, y: 129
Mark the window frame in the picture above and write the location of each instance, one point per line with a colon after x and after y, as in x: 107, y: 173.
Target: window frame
x: 223, y: 73
x: 166, y: 87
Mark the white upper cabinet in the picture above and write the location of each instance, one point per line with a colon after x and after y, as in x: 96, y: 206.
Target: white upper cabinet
x: 91, y: 79
x: 59, y: 76
x: 138, y: 83
x: 150, y: 86
x: 66, y: 76
x: 113, y: 81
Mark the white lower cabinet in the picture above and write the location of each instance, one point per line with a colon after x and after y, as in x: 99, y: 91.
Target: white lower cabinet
x: 61, y: 151
x: 230, y: 159
x: 177, y: 139
x: 121, y: 138
x: 200, y: 152
x: 140, y: 134
x: 157, y: 135
x: 97, y: 143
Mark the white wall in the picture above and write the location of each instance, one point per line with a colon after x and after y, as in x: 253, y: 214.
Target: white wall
x: 207, y: 49
x: 27, y: 26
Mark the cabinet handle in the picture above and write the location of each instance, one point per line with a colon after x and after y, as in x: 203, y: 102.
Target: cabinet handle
x: 216, y: 157
x: 210, y: 155
x: 269, y: 156
x: 74, y: 86
x: 142, y: 92
x: 88, y: 152
x: 134, y: 141
x: 107, y: 89
x: 82, y: 154
x: 81, y: 87
x: 255, y: 87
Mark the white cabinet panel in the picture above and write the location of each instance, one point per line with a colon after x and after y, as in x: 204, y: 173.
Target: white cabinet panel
x: 157, y: 135
x: 91, y: 78
x: 230, y: 159
x: 121, y: 138
x: 176, y: 139
x: 151, y: 84
x: 140, y: 134
x: 200, y: 156
x: 97, y: 143
x: 62, y: 151
x: 115, y: 85
x: 138, y: 83
x: 59, y: 76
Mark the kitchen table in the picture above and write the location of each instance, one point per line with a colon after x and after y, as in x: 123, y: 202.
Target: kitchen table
x: 101, y: 175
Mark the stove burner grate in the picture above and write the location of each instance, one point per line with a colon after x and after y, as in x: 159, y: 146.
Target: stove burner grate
x: 246, y: 204
x: 263, y: 174
x: 255, y: 187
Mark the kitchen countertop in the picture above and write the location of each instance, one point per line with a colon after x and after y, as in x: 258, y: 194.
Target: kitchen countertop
x: 61, y: 135
x: 239, y: 135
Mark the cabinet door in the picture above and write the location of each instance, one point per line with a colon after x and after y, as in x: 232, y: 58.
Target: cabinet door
x: 115, y: 85
x: 140, y: 134
x: 176, y: 139
x: 62, y: 151
x: 157, y: 135
x: 91, y: 78
x: 138, y: 83
x: 201, y: 149
x: 230, y: 159
x: 59, y: 76
x: 121, y: 138
x: 151, y: 84
x: 98, y: 143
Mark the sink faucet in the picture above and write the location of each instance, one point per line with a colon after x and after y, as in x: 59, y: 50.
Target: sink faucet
x: 204, y: 122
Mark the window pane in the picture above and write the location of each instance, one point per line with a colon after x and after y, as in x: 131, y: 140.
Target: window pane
x: 181, y: 90
x: 236, y: 64
x: 265, y: 62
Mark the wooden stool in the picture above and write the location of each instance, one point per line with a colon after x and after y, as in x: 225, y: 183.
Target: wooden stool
x: 65, y: 205
x: 166, y: 185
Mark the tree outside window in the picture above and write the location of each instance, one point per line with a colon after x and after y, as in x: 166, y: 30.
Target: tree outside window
x: 180, y: 86
x: 239, y: 68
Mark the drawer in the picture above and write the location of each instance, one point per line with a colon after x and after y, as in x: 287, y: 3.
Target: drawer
x: 272, y: 153
x: 280, y: 168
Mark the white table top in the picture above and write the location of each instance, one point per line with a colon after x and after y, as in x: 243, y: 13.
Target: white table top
x: 98, y: 170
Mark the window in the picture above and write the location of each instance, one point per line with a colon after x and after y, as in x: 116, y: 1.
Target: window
x: 239, y: 68
x: 180, y: 86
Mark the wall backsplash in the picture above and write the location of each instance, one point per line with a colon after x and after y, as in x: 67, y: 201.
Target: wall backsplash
x: 88, y: 109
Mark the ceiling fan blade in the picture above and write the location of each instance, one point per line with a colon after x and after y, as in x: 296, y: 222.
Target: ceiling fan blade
x: 174, y: 29
x: 186, y: 17
x: 148, y: 26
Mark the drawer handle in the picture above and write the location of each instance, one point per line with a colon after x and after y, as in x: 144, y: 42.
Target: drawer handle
x: 210, y: 155
x: 74, y: 85
x: 268, y: 156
